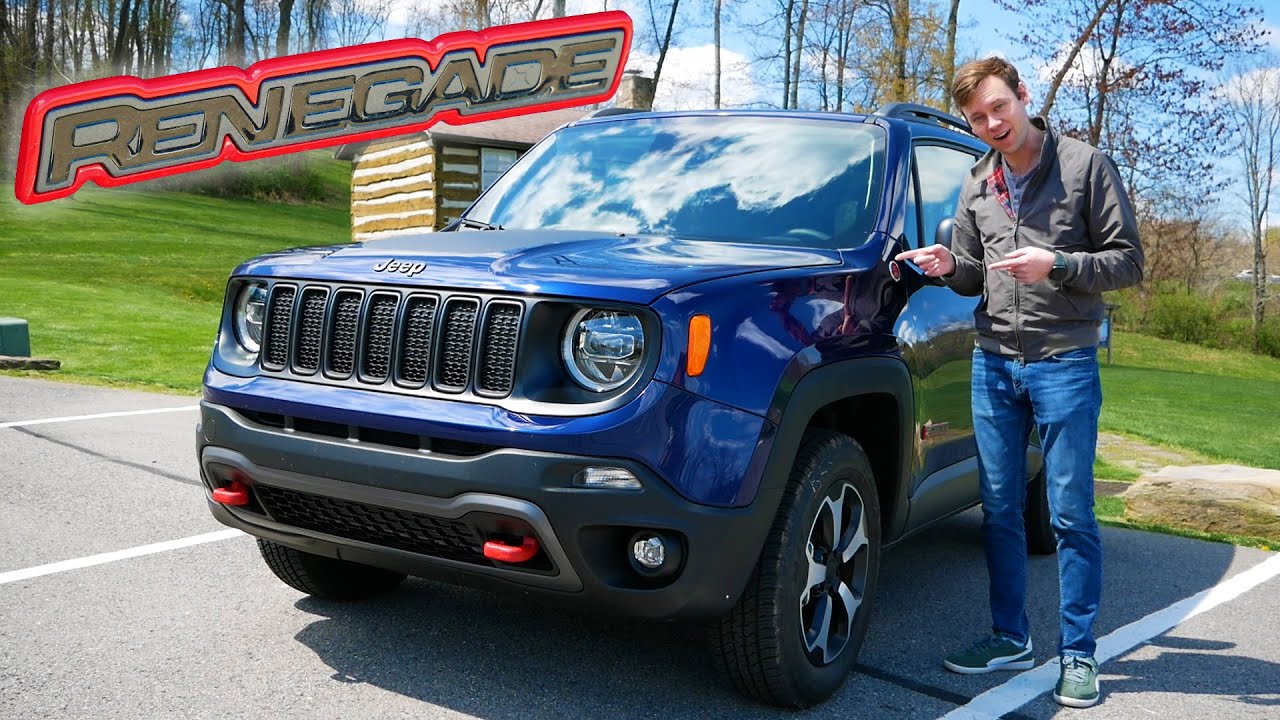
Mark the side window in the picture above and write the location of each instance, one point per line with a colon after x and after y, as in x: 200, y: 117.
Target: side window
x: 942, y: 172
x: 494, y: 162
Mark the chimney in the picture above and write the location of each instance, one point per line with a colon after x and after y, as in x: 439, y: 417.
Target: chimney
x: 635, y: 91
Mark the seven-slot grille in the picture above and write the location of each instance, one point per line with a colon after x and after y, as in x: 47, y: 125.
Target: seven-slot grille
x: 452, y: 344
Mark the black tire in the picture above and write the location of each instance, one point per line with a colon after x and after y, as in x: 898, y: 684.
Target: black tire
x: 1041, y: 539
x: 774, y: 645
x: 327, y: 578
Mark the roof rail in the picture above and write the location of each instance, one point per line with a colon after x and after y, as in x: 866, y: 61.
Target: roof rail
x: 605, y: 112
x: 923, y: 113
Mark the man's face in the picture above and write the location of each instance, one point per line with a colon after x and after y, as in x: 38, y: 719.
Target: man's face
x: 998, y: 115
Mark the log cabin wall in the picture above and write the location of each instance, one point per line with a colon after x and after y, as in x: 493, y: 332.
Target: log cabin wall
x: 393, y: 188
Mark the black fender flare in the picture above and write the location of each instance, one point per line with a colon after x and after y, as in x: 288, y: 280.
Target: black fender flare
x: 818, y: 388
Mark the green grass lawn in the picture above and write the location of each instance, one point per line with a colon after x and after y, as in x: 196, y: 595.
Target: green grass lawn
x: 1222, y: 404
x: 124, y: 286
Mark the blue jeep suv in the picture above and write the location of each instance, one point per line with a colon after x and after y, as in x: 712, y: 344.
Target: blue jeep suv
x: 665, y: 367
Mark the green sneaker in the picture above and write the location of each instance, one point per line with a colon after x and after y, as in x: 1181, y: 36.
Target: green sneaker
x: 990, y: 654
x: 1078, y: 682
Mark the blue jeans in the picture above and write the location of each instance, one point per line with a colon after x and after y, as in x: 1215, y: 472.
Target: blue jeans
x: 1061, y: 397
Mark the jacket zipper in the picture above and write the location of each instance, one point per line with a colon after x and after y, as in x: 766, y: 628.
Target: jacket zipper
x: 1017, y: 290
x: 1017, y: 228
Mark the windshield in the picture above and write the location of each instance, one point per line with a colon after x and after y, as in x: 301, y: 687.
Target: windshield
x: 766, y: 180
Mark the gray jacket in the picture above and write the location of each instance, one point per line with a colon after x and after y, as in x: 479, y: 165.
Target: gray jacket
x: 1074, y: 203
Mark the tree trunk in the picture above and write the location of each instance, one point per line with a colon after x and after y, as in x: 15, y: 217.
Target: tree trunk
x: 846, y: 38
x: 121, y: 44
x: 901, y: 36
x: 786, y: 56
x: 949, y: 62
x: 286, y: 25
x: 716, y: 26
x: 48, y: 41
x: 235, y: 48
x: 795, y: 72
x: 6, y: 90
x: 666, y: 43
x: 1104, y: 79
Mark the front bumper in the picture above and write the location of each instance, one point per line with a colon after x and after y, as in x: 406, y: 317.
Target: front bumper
x: 428, y: 513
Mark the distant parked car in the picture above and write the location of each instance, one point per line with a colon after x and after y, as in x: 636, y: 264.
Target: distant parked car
x: 1247, y: 276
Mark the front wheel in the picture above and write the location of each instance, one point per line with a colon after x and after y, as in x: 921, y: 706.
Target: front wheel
x: 796, y: 631
x: 327, y: 578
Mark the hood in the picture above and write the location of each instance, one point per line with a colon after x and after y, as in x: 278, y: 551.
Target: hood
x: 633, y: 269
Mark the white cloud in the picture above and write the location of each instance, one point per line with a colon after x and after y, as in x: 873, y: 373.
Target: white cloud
x: 688, y: 78
x: 1261, y: 83
x: 1084, y: 69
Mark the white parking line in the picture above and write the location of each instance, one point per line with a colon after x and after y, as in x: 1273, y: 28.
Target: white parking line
x: 24, y: 423
x: 1027, y: 686
x: 90, y: 561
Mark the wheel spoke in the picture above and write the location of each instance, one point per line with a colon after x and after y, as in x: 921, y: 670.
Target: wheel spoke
x: 856, y: 541
x: 851, y: 603
x: 817, y: 573
x: 819, y: 634
x: 837, y: 519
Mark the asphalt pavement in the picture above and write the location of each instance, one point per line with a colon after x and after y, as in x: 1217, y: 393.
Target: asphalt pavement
x: 121, y: 597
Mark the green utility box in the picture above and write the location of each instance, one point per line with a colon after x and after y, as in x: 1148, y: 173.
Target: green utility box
x: 14, y: 340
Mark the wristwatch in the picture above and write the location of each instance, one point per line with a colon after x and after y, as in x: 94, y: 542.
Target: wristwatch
x: 1059, y: 271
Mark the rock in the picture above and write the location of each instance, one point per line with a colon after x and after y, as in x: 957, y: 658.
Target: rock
x: 1230, y: 499
x: 10, y: 362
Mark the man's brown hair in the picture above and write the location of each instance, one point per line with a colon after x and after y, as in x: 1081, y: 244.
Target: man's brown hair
x: 971, y: 74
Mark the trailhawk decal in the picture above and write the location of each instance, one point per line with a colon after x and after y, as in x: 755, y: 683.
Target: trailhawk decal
x: 123, y: 129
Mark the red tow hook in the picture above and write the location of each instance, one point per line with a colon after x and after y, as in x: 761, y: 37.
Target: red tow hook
x: 237, y: 493
x: 502, y: 552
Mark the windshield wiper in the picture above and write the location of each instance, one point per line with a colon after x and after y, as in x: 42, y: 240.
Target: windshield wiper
x: 477, y: 224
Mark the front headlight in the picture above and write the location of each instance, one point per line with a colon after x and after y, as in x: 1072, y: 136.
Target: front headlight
x: 603, y: 349
x: 251, y: 307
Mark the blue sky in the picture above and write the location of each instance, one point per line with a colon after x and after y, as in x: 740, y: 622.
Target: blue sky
x: 985, y: 29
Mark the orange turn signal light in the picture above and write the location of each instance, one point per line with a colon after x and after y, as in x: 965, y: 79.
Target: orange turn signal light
x: 699, y: 344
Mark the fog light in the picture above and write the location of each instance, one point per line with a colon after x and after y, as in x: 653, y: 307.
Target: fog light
x: 650, y: 552
x: 606, y: 477
x: 655, y: 555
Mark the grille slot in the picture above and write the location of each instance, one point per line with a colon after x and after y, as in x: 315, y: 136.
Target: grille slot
x: 379, y: 332
x: 416, y: 342
x: 310, y: 329
x: 342, y: 332
x: 427, y: 343
x: 279, y: 326
x: 373, y: 524
x: 459, y: 334
x: 498, y: 348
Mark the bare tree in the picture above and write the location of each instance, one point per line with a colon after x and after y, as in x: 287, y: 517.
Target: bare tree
x: 1252, y: 103
x: 355, y: 21
x: 666, y: 38
x: 716, y: 33
x: 799, y: 51
x: 949, y: 59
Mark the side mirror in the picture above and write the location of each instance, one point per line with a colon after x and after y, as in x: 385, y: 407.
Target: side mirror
x: 942, y: 235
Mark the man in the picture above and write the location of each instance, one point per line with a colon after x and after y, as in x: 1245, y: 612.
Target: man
x: 1043, y: 227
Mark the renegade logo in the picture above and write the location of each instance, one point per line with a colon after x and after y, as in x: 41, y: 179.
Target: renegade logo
x: 121, y: 130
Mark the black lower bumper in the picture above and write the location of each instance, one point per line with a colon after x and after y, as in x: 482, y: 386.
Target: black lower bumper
x: 428, y: 514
